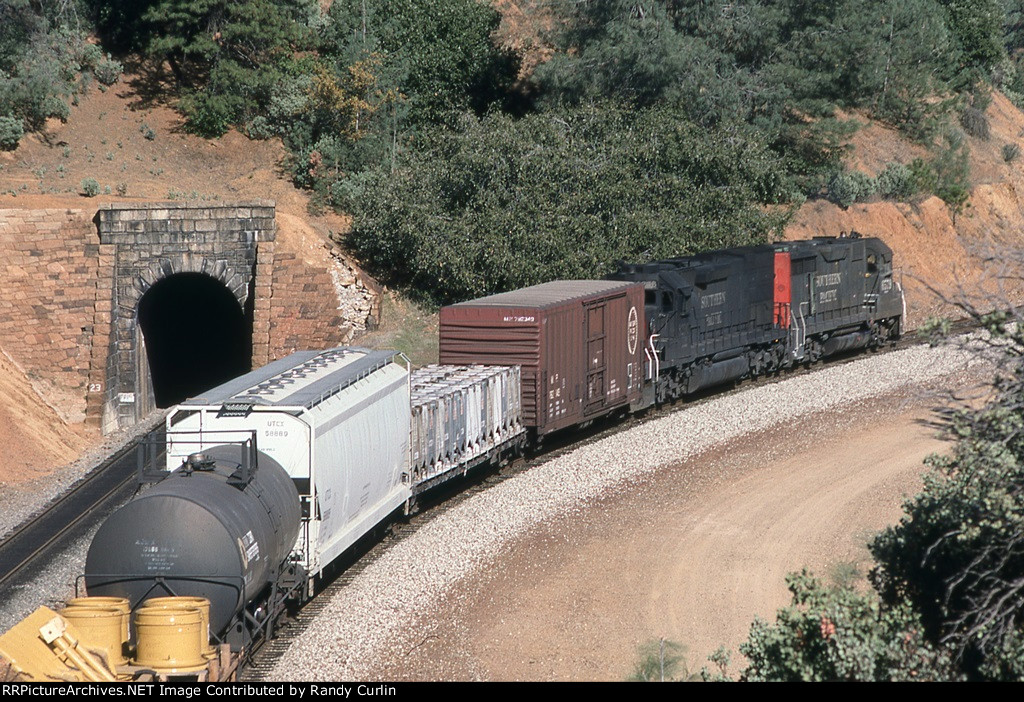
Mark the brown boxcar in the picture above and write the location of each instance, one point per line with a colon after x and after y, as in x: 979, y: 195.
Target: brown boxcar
x: 580, y: 344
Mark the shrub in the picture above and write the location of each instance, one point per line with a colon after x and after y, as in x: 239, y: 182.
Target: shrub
x: 259, y: 127
x: 950, y: 576
x: 108, y: 71
x: 90, y: 188
x: 923, y: 176
x: 956, y: 556
x: 952, y: 171
x: 837, y: 633
x: 11, y: 131
x: 848, y: 187
x: 975, y: 122
x: 896, y: 182
x: 209, y: 115
x: 1010, y: 152
x: 661, y: 660
x: 90, y: 56
x: 53, y: 106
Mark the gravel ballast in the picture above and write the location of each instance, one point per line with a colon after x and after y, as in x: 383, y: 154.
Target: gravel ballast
x: 54, y: 582
x: 372, y: 619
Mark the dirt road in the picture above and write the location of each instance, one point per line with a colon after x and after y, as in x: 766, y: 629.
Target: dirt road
x: 693, y: 554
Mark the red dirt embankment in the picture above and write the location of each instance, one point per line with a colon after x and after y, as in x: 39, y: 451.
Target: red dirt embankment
x: 975, y: 250
x: 34, y: 437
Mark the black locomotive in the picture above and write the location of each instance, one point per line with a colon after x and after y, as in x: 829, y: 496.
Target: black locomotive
x: 742, y: 312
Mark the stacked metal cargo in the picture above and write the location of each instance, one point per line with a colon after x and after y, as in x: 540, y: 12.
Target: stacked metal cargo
x: 461, y: 415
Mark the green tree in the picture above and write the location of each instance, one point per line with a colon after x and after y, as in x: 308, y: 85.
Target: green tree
x: 498, y: 203
x: 228, y: 55
x: 977, y: 26
x: 950, y: 575
x: 626, y: 49
x: 438, y: 53
x: 194, y: 36
x: 43, y: 53
x: 776, y: 70
x: 837, y: 633
x: 957, y: 556
x: 952, y: 170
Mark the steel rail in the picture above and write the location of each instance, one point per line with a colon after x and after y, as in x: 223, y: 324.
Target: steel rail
x: 37, y: 535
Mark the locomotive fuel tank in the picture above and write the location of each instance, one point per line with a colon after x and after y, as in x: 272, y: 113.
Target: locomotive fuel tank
x: 218, y: 527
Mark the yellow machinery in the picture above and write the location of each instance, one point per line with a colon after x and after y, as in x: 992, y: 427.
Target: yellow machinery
x: 200, y: 603
x: 44, y: 647
x: 89, y: 642
x: 170, y: 638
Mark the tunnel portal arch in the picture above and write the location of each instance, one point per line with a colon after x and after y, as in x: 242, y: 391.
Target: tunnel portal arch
x: 211, y: 259
x: 194, y: 336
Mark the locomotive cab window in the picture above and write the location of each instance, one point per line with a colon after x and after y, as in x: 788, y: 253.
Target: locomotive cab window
x: 872, y: 265
x: 666, y: 302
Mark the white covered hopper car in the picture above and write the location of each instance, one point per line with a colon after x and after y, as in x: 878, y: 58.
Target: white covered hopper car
x: 358, y: 433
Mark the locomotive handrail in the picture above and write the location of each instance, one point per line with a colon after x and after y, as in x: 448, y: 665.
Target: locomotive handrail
x: 783, y: 313
x: 799, y: 331
x: 656, y: 365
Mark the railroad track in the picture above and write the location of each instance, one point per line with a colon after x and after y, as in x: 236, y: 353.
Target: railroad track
x: 102, y: 489
x: 263, y: 658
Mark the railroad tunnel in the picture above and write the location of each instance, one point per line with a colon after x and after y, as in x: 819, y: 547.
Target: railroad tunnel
x: 196, y: 335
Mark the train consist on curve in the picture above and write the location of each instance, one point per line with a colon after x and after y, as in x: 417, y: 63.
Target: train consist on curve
x: 271, y: 476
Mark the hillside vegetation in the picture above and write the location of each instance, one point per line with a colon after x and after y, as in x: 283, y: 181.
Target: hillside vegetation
x: 605, y: 130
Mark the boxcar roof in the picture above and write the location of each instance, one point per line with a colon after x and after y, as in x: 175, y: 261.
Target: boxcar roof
x: 547, y: 294
x: 299, y: 380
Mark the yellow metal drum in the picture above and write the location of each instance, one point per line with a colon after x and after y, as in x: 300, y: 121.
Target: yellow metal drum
x: 100, y: 628
x: 120, y: 603
x: 200, y: 603
x: 169, y: 638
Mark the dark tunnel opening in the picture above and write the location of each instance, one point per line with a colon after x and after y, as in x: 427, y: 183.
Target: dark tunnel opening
x: 196, y: 336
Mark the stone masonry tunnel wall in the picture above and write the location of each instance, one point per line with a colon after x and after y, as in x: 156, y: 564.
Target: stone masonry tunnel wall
x: 71, y: 281
x: 148, y: 243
